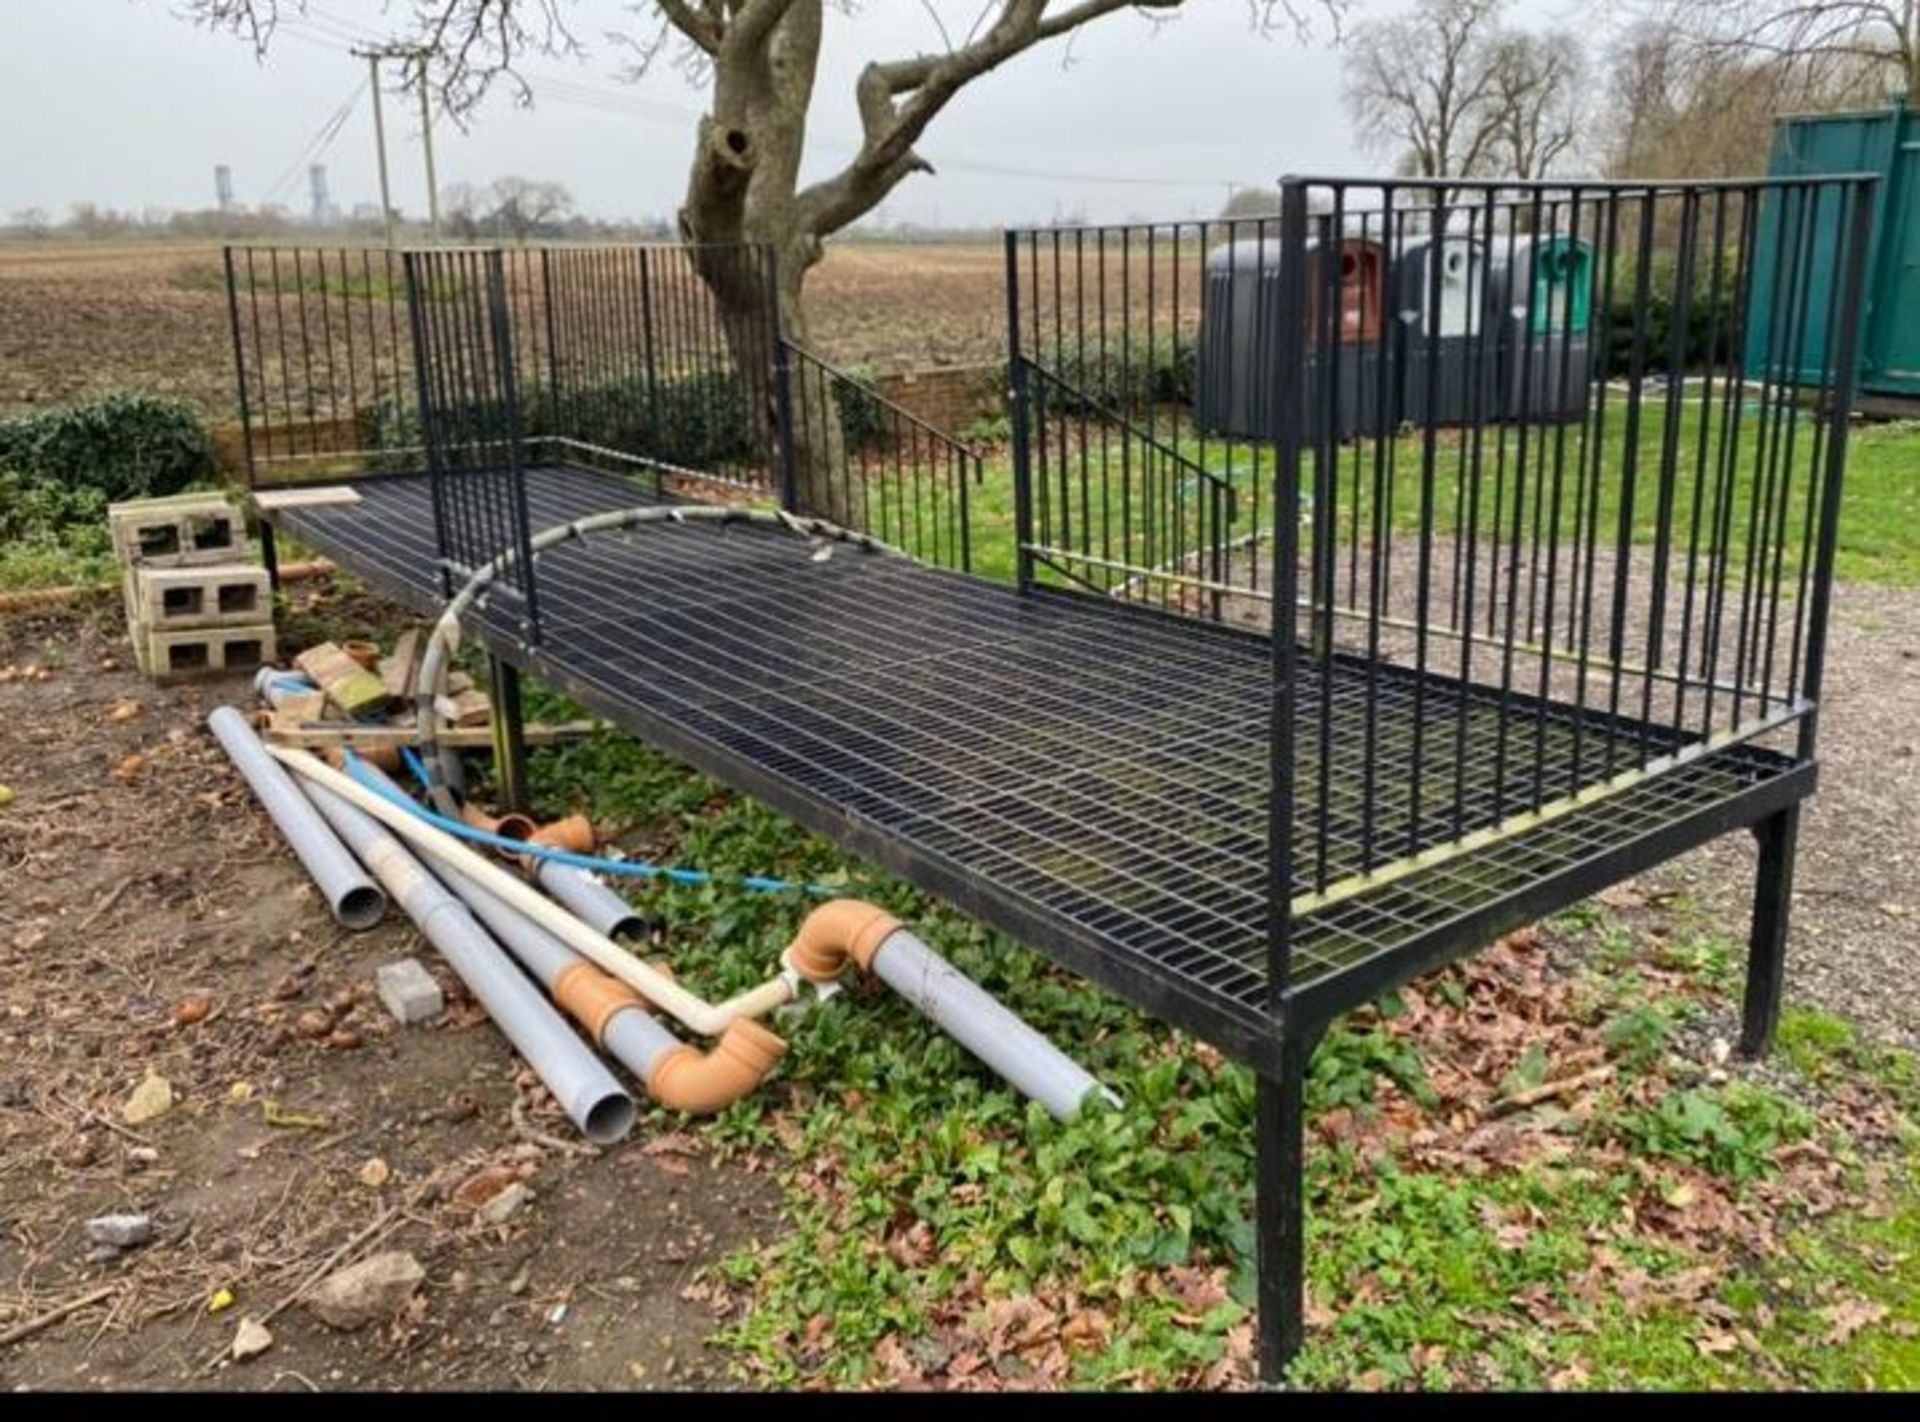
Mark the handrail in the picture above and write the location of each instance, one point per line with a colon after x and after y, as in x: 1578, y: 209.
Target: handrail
x: 847, y: 377
x: 1151, y: 441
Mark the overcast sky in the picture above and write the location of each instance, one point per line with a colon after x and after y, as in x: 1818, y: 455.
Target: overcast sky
x: 121, y: 103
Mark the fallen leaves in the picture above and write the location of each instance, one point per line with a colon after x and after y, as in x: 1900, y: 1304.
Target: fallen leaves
x: 192, y: 1010
x: 1849, y: 1316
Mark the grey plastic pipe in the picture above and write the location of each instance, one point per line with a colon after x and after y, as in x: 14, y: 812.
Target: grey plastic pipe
x: 636, y: 1040
x: 578, y: 1079
x: 978, y: 1021
x: 355, y: 900
x: 591, y: 901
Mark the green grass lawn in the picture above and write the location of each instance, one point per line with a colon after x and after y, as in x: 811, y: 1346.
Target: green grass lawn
x: 1880, y: 509
x: 1665, y: 1228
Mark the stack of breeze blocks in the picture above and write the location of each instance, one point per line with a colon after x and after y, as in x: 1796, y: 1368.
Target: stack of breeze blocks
x: 195, y: 603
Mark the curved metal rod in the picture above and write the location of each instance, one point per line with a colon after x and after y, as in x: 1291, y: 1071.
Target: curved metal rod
x: 430, y: 677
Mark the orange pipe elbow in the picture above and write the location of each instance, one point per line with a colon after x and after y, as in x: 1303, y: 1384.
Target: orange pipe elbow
x: 573, y: 834
x: 507, y: 826
x: 838, y: 932
x: 701, y: 1083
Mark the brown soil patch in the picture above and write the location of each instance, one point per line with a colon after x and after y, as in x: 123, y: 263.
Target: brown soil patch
x: 128, y: 887
x: 79, y: 318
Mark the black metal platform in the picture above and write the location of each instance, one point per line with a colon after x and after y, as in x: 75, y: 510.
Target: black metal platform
x: 1088, y: 776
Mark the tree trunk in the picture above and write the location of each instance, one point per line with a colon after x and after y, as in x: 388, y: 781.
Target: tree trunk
x: 758, y: 301
x: 741, y: 190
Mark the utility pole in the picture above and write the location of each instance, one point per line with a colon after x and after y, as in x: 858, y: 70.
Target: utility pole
x: 373, y: 58
x: 426, y: 140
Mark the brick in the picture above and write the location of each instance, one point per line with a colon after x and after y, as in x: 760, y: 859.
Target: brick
x: 177, y: 531
x: 408, y: 991
x: 205, y: 651
x: 210, y: 595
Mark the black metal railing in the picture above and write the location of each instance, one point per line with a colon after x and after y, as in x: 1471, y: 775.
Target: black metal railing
x: 661, y: 356
x: 469, y: 416
x: 625, y: 357
x: 854, y: 457
x: 323, y: 357
x: 1537, y: 485
x: 1137, y: 484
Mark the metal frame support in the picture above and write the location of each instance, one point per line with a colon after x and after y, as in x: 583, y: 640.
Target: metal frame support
x: 1767, y: 948
x: 509, y: 734
x: 1017, y: 408
x: 1280, y: 1203
x: 269, y: 557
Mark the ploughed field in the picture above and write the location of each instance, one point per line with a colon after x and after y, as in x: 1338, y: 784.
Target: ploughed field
x: 80, y: 317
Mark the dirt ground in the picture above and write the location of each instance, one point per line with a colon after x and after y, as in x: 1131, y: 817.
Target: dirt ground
x: 136, y: 877
x: 78, y: 318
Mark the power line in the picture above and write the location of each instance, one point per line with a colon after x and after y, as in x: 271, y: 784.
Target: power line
x: 626, y: 104
x: 320, y: 142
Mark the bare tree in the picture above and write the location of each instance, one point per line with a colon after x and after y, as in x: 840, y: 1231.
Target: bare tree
x: 31, y: 222
x: 1536, y: 104
x: 525, y: 207
x: 460, y: 207
x: 760, y: 62
x: 1251, y: 202
x: 1836, y: 43
x: 1676, y: 106
x: 1421, y: 85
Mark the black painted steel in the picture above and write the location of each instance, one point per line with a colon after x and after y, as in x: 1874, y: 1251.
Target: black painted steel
x: 1524, y: 592
x: 867, y: 464
x: 470, y: 422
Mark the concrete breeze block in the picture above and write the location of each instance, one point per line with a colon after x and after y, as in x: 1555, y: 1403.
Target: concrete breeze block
x: 211, y: 595
x: 408, y: 991
x: 179, y: 530
x: 203, y: 651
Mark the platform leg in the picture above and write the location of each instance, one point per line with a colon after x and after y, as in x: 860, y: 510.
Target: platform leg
x: 509, y: 736
x: 270, y: 558
x: 1280, y: 1211
x: 1767, y: 949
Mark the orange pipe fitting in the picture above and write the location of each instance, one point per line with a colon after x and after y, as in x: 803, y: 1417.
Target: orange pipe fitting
x: 838, y: 932
x: 386, y: 758
x: 592, y: 997
x: 508, y: 826
x: 573, y: 834
x: 700, y: 1083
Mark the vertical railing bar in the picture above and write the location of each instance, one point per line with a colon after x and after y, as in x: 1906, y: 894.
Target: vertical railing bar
x: 1845, y: 350
x: 1288, y: 392
x: 239, y: 366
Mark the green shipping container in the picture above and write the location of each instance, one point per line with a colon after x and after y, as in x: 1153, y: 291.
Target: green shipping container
x: 1884, y: 141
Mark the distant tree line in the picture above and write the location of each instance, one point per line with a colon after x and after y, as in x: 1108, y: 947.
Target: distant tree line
x: 508, y: 209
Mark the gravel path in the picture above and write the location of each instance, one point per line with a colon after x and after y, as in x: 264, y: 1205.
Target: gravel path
x: 1855, y: 944
x: 1855, y: 938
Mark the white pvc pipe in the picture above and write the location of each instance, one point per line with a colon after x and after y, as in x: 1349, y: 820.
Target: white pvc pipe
x: 982, y: 1024
x: 355, y: 900
x: 634, y: 1038
x: 579, y: 1081
x: 702, y: 1017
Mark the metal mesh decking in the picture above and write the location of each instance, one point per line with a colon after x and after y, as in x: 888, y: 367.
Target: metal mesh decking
x: 1092, y: 776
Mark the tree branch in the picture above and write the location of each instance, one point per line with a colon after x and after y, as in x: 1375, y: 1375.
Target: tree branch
x: 897, y: 99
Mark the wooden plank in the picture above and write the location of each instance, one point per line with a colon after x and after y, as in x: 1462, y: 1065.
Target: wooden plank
x: 397, y: 668
x: 468, y: 708
x: 350, y: 686
x: 309, y: 736
x: 299, y: 707
x: 318, y: 496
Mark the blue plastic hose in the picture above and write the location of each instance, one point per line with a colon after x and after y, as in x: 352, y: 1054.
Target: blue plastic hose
x: 631, y: 868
